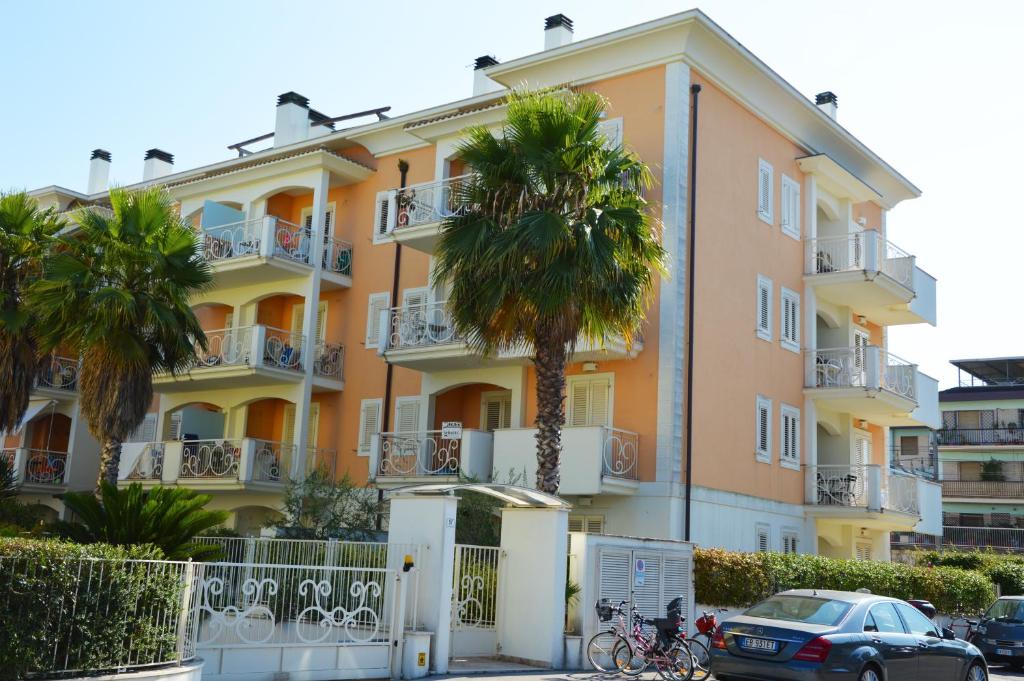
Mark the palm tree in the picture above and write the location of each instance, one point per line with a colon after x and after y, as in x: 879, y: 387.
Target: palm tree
x: 25, y: 234
x: 118, y: 291
x: 167, y: 517
x: 554, y: 244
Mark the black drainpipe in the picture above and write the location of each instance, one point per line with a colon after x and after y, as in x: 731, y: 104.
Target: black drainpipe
x: 694, y: 92
x: 385, y: 420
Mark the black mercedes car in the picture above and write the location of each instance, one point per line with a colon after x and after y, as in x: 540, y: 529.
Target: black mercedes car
x: 805, y: 635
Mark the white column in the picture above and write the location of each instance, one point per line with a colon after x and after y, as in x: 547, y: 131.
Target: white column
x: 531, y: 584
x: 309, y: 324
x: 430, y: 522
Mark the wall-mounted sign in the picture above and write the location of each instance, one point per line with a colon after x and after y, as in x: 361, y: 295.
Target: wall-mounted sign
x: 639, y: 571
x: 451, y: 430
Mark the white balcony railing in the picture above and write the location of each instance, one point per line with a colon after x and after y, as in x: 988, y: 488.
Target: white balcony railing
x: 867, y: 486
x: 44, y: 467
x: 229, y: 460
x: 621, y: 448
x: 419, y: 326
x: 868, y: 367
x: 429, y: 202
x: 329, y: 361
x: 149, y: 464
x: 271, y: 461
x: 256, y: 345
x: 421, y: 453
x: 210, y: 459
x: 272, y: 237
x: 59, y: 373
x: 860, y: 251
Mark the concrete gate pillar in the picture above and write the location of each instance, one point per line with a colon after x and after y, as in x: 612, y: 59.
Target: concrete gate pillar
x: 430, y: 521
x: 531, y: 604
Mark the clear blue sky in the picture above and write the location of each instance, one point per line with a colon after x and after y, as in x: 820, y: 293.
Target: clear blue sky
x: 933, y: 87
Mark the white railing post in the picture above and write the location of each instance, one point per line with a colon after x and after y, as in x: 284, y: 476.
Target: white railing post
x: 268, y: 230
x: 872, y: 245
x: 258, y: 335
x: 184, y: 631
x: 874, y: 365
x: 245, y: 459
x: 811, y: 484
x: 384, y: 331
x: 21, y: 455
x: 374, y: 455
x: 398, y: 624
x: 873, y: 473
x: 173, y: 451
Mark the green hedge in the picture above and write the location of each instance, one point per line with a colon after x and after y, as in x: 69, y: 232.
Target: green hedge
x: 1002, y: 569
x: 87, y: 608
x: 730, y: 579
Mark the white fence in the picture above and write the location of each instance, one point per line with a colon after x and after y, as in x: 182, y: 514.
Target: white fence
x: 860, y: 251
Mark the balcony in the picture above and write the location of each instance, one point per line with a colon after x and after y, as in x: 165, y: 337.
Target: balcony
x: 967, y: 438
x: 266, y: 249
x: 403, y: 458
x: 863, y: 492
x: 37, y: 469
x: 413, y: 215
x: 871, y: 383
x: 246, y: 356
x: 595, y: 459
x: 866, y: 272
x: 215, y: 463
x: 59, y: 378
x: 1003, y: 539
x: 983, y: 489
x: 328, y: 367
x: 423, y: 337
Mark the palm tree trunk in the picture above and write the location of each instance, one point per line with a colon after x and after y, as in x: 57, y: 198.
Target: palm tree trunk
x: 549, y: 362
x: 110, y: 462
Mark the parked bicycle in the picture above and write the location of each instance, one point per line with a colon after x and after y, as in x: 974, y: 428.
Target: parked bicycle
x: 631, y: 649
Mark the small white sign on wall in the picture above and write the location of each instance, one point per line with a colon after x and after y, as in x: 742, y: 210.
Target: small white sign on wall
x: 451, y: 430
x: 639, y: 572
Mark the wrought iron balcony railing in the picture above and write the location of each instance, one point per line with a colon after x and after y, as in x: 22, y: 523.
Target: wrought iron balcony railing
x: 272, y: 237
x: 860, y: 251
x: 868, y: 367
x: 420, y: 326
x: 59, y: 373
x: 980, y: 437
x: 868, y: 486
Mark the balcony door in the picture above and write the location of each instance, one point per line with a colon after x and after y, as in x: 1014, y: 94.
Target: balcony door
x: 496, y: 410
x: 590, y: 400
x: 861, y: 341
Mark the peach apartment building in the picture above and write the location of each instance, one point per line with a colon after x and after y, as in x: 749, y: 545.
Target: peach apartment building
x: 328, y: 346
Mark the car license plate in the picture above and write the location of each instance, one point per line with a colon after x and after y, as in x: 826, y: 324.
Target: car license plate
x: 1008, y: 652
x: 758, y: 644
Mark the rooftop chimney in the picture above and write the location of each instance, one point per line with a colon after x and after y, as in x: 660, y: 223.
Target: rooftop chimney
x: 292, y: 119
x: 319, y: 124
x: 481, y: 83
x: 557, y: 31
x: 827, y: 102
x: 157, y: 164
x: 99, y: 171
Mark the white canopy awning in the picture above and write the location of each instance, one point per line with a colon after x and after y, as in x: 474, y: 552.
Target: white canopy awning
x: 514, y: 495
x: 35, y: 407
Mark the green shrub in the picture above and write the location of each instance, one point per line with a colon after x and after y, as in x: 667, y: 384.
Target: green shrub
x: 731, y: 579
x: 1009, y: 575
x: 84, y: 607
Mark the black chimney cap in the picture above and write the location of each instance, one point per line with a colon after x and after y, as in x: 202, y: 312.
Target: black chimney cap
x: 293, y: 98
x: 160, y: 154
x: 556, y: 20
x: 484, y: 61
x: 100, y: 153
x: 827, y: 97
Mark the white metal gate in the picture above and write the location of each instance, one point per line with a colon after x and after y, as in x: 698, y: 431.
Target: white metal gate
x: 475, y: 600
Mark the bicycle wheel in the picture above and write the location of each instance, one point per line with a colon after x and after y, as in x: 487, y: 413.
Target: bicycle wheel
x: 634, y: 659
x: 676, y: 663
x: 605, y: 652
x: 701, y: 658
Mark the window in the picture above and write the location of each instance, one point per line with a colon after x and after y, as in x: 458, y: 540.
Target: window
x: 790, y: 207
x: 369, y: 422
x: 789, y: 453
x: 407, y: 414
x: 146, y: 431
x: 307, y: 219
x: 763, y: 539
x: 384, y: 216
x: 415, y: 299
x: 764, y: 308
x: 861, y: 449
x: 916, y: 622
x: 765, y: 187
x: 790, y: 541
x: 612, y: 131
x: 884, y: 619
x: 591, y: 524
x: 379, y: 303
x: 763, y: 426
x: 590, y: 400
x: 863, y: 551
x: 861, y: 343
x: 496, y: 408
x: 174, y: 426
x: 312, y: 425
x: 789, y: 335
x: 806, y: 609
x: 299, y: 320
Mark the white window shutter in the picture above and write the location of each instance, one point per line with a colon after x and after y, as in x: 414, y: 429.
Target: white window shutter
x: 615, y: 575
x: 575, y: 524
x: 599, y: 402
x: 790, y: 207
x: 863, y: 551
x: 384, y: 214
x: 321, y: 322
x: 146, y: 431
x: 414, y: 298
x: 764, y: 308
x: 579, y: 403
x: 307, y: 222
x: 497, y: 411
x: 763, y: 539
x: 288, y: 427
x: 298, y: 317
x: 764, y: 191
x: 328, y: 222
x: 407, y: 415
x: 369, y: 422
x: 676, y: 582
x: 379, y: 302
x: 763, y: 427
x: 594, y: 525
x: 175, y: 426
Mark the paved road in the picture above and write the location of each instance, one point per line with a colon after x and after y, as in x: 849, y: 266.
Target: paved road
x: 998, y: 674
x: 1004, y: 674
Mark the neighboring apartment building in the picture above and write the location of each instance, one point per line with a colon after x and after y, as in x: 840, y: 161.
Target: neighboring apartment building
x: 328, y: 344
x: 981, y: 456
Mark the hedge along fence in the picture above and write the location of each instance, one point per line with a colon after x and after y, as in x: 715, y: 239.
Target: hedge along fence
x: 728, y: 579
x: 1005, y: 571
x: 67, y: 608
